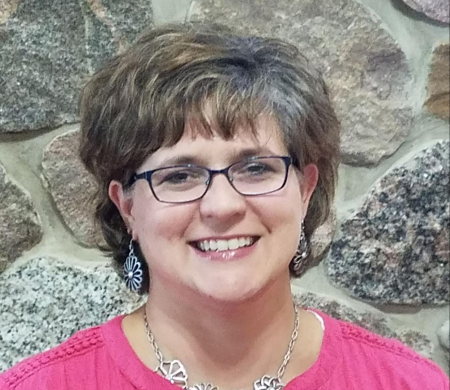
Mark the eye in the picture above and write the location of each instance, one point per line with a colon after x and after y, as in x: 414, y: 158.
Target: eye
x: 178, y: 177
x: 256, y: 168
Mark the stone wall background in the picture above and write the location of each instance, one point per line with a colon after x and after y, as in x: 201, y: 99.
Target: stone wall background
x: 387, y: 63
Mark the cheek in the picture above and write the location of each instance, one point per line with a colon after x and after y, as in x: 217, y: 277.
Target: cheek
x: 158, y: 222
x: 281, y: 218
x: 285, y: 207
x: 161, y: 235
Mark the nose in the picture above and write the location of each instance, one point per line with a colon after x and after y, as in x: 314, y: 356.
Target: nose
x: 222, y: 202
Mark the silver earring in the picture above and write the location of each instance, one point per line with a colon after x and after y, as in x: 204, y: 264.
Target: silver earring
x: 132, y: 270
x: 301, y: 254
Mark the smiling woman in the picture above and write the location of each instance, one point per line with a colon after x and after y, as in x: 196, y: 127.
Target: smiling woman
x: 215, y: 156
x: 204, y: 82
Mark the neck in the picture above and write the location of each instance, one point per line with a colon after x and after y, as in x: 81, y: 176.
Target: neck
x: 213, y: 339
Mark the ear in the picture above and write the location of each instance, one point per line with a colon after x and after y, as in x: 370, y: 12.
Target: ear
x: 123, y: 203
x: 308, y: 182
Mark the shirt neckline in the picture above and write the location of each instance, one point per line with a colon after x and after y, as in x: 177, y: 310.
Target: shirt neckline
x: 142, y: 378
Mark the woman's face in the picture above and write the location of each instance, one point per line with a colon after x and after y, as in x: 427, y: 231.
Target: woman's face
x: 170, y: 235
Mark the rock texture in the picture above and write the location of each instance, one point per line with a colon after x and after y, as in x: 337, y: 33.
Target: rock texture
x: 50, y: 47
x: 71, y: 187
x: 395, y: 249
x: 7, y: 8
x: 435, y: 9
x: 322, y: 238
x: 45, y: 301
x: 375, y: 322
x: 320, y: 243
x: 438, y: 88
x: 444, y: 335
x: 20, y: 225
x: 369, y: 82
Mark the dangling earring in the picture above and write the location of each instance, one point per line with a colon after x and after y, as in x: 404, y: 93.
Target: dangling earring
x: 132, y: 270
x: 301, y: 254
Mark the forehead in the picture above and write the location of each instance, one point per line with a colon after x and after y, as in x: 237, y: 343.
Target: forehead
x: 197, y: 147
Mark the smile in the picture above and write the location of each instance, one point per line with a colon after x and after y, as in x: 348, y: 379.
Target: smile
x: 224, y: 245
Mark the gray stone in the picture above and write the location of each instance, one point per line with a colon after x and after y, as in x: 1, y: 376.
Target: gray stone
x: 417, y: 341
x: 71, y: 187
x: 435, y: 9
x: 438, y: 88
x: 395, y: 249
x: 48, y: 50
x: 372, y: 321
x: 127, y: 19
x: 45, y: 301
x: 20, y: 225
x: 443, y: 334
x: 369, y: 82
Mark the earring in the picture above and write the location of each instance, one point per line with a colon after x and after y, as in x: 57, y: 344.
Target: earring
x: 301, y: 254
x: 132, y: 270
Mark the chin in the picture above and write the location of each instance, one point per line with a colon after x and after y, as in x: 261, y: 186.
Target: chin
x: 231, y: 290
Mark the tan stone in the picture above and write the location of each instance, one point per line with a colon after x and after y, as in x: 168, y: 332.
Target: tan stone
x: 322, y: 238
x: 71, y: 187
x: 320, y: 242
x: 7, y: 8
x: 438, y: 89
x: 365, y: 68
x: 20, y: 226
x: 443, y: 334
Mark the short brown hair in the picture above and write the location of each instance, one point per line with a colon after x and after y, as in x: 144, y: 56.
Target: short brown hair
x: 143, y: 99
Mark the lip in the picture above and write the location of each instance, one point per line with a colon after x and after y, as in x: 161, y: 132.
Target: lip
x: 216, y: 238
x: 228, y: 255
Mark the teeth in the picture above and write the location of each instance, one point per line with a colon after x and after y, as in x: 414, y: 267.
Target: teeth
x: 224, y: 245
x: 233, y: 244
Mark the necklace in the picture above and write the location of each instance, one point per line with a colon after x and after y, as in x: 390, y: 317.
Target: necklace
x: 175, y: 372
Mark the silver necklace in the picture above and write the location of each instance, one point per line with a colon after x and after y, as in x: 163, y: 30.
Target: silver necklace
x: 175, y: 372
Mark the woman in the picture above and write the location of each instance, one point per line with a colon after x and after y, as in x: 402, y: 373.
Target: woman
x: 216, y: 158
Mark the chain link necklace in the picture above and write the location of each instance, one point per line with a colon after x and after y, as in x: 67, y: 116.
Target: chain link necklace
x: 175, y: 372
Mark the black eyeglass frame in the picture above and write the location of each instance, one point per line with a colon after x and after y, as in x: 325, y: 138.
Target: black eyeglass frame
x: 147, y: 175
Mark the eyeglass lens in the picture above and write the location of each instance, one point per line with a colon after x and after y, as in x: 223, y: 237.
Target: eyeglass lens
x: 248, y: 177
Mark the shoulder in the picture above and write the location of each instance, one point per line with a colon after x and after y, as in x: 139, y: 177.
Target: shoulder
x: 49, y: 367
x: 387, y: 361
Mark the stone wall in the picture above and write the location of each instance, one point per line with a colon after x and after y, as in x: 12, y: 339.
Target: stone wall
x: 383, y: 256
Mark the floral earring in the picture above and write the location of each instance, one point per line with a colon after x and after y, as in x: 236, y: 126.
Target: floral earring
x: 301, y: 254
x: 132, y: 270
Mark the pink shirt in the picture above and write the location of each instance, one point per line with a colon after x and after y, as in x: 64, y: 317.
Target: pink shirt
x: 351, y: 358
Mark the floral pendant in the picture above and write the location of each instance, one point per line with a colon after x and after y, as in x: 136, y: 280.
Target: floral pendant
x: 132, y: 272
x: 203, y: 386
x: 267, y: 383
x: 174, y: 372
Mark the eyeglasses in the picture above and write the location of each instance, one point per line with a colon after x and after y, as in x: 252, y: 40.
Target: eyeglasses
x: 186, y: 183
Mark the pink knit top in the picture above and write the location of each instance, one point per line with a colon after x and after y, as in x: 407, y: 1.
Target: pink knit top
x: 351, y: 358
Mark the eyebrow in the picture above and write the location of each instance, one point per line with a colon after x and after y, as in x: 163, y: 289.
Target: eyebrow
x: 198, y: 160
